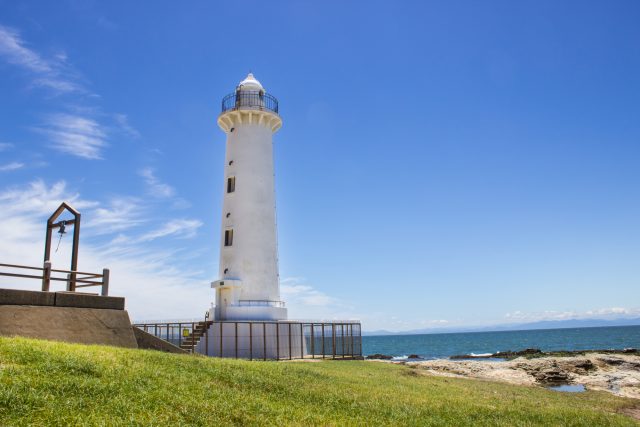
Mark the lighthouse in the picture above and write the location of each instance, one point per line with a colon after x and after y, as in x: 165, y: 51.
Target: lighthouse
x: 248, y: 287
x: 249, y: 320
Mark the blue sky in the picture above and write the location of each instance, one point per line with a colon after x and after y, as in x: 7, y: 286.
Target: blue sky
x: 440, y: 164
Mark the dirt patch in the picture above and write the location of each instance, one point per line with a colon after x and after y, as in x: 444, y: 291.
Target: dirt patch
x: 632, y: 412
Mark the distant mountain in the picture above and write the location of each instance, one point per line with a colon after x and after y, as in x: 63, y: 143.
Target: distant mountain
x: 544, y: 324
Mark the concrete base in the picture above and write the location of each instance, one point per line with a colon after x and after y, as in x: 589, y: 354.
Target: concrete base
x: 254, y: 340
x: 70, y: 324
x: 60, y: 299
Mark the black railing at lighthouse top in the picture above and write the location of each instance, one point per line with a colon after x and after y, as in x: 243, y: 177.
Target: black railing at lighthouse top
x: 252, y: 100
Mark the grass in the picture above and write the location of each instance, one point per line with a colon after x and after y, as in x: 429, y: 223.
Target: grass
x: 49, y: 383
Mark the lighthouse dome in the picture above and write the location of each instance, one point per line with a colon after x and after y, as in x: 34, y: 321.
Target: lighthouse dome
x: 250, y: 84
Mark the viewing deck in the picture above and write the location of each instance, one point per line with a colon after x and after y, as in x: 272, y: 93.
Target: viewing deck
x: 249, y: 100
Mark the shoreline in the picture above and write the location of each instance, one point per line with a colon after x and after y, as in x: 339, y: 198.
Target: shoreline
x: 509, y: 354
x: 614, y: 371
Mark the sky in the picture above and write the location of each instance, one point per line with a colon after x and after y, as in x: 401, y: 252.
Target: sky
x: 440, y: 164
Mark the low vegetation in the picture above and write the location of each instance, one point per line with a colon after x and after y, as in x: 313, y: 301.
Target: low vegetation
x: 48, y: 383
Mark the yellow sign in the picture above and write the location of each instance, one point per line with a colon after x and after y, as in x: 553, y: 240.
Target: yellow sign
x: 185, y: 332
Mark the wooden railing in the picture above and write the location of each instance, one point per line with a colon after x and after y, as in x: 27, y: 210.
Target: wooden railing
x: 74, y: 279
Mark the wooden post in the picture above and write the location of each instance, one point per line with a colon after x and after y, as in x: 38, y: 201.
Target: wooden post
x: 105, y: 282
x: 46, y: 276
x: 236, y: 340
x: 74, y: 250
x: 264, y: 340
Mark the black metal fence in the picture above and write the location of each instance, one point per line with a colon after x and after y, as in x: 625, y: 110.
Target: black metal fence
x: 252, y: 100
x: 263, y: 340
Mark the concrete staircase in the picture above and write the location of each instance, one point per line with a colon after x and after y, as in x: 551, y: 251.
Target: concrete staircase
x: 190, y: 342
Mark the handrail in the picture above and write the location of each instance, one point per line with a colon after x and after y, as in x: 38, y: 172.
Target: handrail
x: 21, y: 266
x: 47, y: 278
x: 252, y: 100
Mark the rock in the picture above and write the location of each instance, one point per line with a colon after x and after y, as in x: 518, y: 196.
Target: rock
x: 414, y: 356
x: 552, y: 376
x: 611, y: 361
x: 585, y: 364
x: 379, y: 356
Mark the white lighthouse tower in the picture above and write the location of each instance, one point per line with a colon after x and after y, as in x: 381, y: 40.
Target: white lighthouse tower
x: 248, y: 288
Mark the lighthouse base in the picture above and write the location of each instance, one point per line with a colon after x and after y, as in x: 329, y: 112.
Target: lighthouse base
x: 254, y: 340
x: 250, y: 339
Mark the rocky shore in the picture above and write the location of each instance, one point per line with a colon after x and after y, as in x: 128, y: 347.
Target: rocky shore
x: 615, y: 372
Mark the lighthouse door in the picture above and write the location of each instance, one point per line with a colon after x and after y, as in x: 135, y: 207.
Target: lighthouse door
x: 225, y: 301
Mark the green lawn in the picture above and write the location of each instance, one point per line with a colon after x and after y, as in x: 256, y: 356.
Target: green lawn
x: 48, y: 383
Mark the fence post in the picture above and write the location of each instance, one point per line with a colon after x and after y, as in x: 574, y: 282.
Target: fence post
x: 333, y: 340
x: 250, y: 341
x: 277, y: 340
x: 301, y: 341
x: 221, y: 332
x: 323, y: 340
x: 46, y: 276
x: 105, y: 282
x: 313, y: 344
x: 290, y: 355
x: 206, y: 337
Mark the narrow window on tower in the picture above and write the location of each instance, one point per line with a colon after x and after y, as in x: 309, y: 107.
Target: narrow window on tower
x: 228, y: 237
x: 231, y: 184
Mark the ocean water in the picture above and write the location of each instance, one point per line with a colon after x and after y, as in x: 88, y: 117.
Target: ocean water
x: 436, y: 346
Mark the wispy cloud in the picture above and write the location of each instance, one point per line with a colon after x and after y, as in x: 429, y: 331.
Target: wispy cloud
x: 11, y: 166
x: 5, y: 146
x: 121, y: 214
x: 305, y: 301
x: 52, y: 73
x: 123, y: 124
x: 155, y: 187
x: 38, y: 198
x: 76, y: 135
x: 183, y: 228
x: 81, y: 132
x: 157, y: 283
x: 295, y: 292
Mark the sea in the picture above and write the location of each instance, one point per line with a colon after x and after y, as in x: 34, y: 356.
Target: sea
x: 440, y: 346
